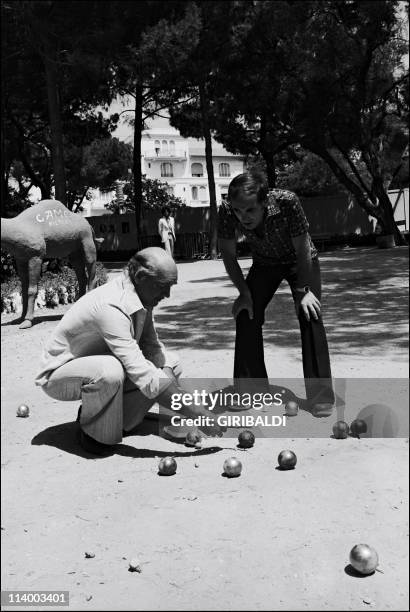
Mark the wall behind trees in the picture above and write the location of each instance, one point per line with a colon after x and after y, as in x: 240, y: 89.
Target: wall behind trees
x: 333, y: 215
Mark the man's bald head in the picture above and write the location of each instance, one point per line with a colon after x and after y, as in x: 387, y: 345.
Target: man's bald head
x: 152, y: 272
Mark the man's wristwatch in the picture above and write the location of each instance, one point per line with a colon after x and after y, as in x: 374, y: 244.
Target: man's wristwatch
x: 304, y: 289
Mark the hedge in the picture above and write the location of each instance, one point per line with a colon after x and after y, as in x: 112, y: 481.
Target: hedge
x: 54, y: 288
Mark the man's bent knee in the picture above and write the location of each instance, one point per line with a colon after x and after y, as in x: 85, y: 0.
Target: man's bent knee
x: 113, y: 373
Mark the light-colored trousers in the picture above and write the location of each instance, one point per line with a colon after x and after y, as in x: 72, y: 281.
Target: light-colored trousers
x: 111, y: 403
x: 169, y: 245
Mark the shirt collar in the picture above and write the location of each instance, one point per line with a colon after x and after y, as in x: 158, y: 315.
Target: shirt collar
x: 131, y: 301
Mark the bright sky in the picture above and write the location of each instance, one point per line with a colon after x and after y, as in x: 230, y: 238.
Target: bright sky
x: 124, y: 130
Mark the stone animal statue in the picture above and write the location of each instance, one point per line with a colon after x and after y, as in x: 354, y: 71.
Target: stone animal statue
x: 49, y: 230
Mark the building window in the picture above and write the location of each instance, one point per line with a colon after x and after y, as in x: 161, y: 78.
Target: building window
x: 194, y: 193
x: 172, y: 147
x: 224, y: 170
x: 164, y: 146
x: 106, y: 196
x: 197, y: 169
x: 202, y: 194
x: 167, y: 170
x: 157, y: 146
x: 125, y: 227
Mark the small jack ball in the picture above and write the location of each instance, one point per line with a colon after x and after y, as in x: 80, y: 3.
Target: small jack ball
x: 23, y: 411
x: 232, y: 467
x: 192, y: 438
x: 246, y: 439
x: 167, y: 466
x: 291, y: 408
x: 340, y: 430
x: 287, y: 460
x: 358, y: 427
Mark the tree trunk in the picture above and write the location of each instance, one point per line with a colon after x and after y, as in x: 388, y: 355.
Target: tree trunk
x: 54, y: 110
x: 213, y: 209
x: 388, y: 223
x: 137, y: 172
x: 361, y: 197
x: 270, y: 169
x: 380, y: 208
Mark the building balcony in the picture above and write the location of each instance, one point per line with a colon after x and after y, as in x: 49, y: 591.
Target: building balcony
x: 166, y: 156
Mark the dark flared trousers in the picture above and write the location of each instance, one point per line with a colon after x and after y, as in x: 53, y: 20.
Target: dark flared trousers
x: 263, y: 282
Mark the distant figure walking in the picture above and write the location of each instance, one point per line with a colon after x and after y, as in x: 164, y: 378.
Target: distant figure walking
x: 166, y: 229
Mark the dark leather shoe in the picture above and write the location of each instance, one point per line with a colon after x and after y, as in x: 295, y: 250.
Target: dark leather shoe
x: 93, y: 446
x: 321, y: 410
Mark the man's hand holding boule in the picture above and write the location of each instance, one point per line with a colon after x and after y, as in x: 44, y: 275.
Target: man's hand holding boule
x: 212, y: 429
x: 190, y: 412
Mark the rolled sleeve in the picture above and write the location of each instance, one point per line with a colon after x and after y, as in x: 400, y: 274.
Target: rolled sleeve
x: 115, y: 327
x: 298, y: 223
x: 226, y: 223
x: 151, y: 346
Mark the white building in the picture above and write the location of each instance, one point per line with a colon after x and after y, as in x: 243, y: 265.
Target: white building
x: 179, y: 162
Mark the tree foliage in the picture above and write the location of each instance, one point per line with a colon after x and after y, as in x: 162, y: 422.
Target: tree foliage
x: 83, y: 83
x: 298, y: 84
x: 327, y: 75
x: 190, y: 49
x: 155, y: 195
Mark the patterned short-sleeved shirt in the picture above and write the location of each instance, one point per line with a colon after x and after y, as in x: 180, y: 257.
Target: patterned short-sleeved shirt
x: 284, y: 220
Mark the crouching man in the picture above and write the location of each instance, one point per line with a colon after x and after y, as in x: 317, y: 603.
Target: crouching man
x: 106, y: 352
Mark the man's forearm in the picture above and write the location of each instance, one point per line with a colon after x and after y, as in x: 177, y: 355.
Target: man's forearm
x: 303, y: 268
x: 235, y: 274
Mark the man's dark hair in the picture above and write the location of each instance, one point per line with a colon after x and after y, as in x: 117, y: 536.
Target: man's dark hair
x: 165, y: 209
x: 248, y: 183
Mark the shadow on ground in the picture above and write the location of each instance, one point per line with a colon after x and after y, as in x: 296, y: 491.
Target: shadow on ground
x: 364, y: 304
x: 65, y: 437
x: 36, y: 320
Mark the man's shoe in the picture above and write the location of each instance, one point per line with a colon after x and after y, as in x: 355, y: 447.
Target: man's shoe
x: 93, y: 446
x: 321, y: 410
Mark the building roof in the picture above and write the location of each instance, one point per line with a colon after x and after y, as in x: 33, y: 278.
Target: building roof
x: 197, y: 147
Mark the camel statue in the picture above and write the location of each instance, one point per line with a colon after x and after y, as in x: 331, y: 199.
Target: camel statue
x: 44, y: 231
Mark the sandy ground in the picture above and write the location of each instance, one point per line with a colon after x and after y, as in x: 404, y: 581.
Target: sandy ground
x: 268, y: 540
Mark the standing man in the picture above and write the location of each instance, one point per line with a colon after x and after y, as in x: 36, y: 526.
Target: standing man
x: 166, y: 229
x: 276, y: 229
x: 106, y: 352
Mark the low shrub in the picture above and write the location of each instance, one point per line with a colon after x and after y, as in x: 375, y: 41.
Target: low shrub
x: 54, y: 288
x: 7, y: 266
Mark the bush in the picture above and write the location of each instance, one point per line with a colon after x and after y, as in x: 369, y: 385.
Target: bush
x: 55, y: 285
x: 7, y: 266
